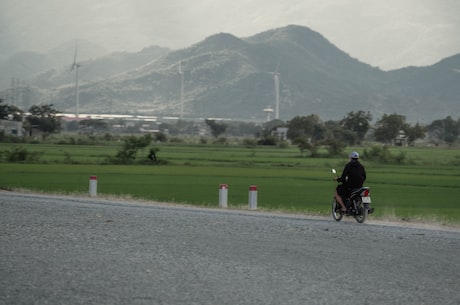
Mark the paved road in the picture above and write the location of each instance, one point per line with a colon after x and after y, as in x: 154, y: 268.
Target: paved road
x: 62, y: 250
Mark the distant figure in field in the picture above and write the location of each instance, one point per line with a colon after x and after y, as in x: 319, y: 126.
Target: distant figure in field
x: 152, y: 156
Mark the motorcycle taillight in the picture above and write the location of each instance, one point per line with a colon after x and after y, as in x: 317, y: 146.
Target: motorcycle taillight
x: 365, y: 193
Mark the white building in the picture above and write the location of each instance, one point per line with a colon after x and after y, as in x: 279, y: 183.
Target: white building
x: 11, y: 128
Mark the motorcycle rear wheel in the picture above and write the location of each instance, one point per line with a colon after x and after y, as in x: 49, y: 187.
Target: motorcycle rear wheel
x: 362, y: 216
x: 336, y: 211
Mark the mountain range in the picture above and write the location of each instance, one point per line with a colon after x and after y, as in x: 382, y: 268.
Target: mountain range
x: 229, y: 77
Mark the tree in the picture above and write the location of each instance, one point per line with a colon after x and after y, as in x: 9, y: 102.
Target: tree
x: 10, y: 112
x: 216, y: 128
x: 266, y: 135
x: 334, y: 147
x: 89, y: 126
x: 303, y: 145
x: 345, y: 136
x: 161, y: 137
x: 388, y: 126
x: 309, y: 127
x: 414, y: 133
x: 243, y: 129
x: 131, y: 146
x: 446, y: 130
x: 358, y: 122
x: 44, y: 118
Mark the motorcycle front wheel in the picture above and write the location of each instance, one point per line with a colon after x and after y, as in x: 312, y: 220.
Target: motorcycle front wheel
x: 336, y: 210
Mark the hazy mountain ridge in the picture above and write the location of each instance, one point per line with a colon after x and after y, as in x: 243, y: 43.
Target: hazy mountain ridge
x: 225, y: 76
x: 25, y: 66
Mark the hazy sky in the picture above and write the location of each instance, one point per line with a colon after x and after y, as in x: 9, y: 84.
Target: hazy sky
x: 389, y: 34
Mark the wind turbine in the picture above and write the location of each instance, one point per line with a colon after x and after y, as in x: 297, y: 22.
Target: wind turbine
x: 181, y: 90
x: 276, y: 78
x: 75, y: 66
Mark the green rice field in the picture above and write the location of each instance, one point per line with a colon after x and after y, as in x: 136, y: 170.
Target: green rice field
x: 424, y: 188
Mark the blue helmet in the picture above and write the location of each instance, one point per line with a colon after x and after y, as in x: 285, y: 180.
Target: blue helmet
x: 354, y: 155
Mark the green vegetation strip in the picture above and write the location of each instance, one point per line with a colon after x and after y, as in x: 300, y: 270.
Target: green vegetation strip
x: 285, y: 182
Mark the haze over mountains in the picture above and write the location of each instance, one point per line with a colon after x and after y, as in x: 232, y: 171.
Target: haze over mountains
x: 230, y: 77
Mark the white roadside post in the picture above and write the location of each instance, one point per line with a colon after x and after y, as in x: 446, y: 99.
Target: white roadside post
x: 93, y: 186
x: 252, y: 201
x: 223, y: 195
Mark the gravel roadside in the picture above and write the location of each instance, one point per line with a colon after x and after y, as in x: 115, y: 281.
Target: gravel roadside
x: 64, y: 250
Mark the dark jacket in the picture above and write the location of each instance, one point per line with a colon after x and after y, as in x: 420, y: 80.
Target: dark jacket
x: 353, y: 175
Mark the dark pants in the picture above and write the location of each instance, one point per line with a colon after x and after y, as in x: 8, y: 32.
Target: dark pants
x: 343, y: 191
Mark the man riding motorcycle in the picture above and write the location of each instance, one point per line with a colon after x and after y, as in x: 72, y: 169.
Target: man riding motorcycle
x: 353, y: 177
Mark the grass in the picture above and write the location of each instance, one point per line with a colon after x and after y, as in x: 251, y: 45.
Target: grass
x: 426, y: 188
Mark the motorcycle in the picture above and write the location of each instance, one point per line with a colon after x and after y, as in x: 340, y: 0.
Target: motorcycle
x: 358, y: 204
